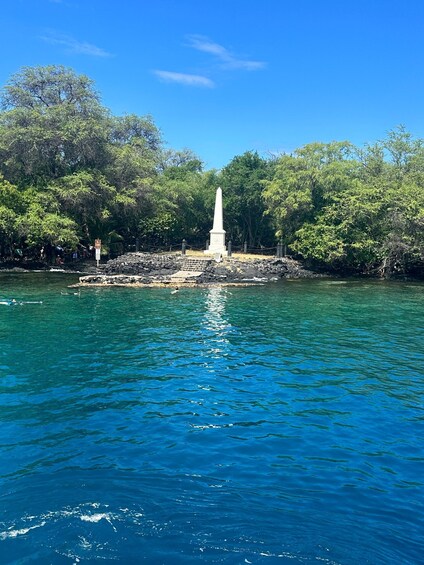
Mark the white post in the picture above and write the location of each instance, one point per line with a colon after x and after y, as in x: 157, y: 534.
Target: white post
x: 98, y: 250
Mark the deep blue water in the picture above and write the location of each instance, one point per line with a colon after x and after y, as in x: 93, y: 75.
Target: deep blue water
x: 278, y: 424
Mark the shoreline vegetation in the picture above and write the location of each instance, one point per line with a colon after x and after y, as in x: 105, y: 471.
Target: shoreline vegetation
x: 71, y: 173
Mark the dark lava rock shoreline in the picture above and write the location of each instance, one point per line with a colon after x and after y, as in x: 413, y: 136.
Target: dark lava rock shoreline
x: 163, y: 269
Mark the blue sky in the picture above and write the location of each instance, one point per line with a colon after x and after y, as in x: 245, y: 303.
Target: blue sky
x: 222, y: 77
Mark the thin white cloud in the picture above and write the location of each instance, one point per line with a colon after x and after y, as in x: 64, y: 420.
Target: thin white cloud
x: 183, y: 78
x: 63, y: 3
x: 228, y: 59
x: 73, y: 45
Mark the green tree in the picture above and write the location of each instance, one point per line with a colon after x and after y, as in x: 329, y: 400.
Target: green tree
x: 87, y: 198
x: 52, y: 125
x: 402, y: 247
x: 89, y: 167
x: 350, y: 209
x: 181, y: 200
x: 242, y: 183
x: 11, y: 206
x: 302, y: 183
x: 41, y: 227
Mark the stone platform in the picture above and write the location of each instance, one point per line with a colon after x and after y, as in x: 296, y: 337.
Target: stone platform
x: 146, y: 269
x: 185, y: 276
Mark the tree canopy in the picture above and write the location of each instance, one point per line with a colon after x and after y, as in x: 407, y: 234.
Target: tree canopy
x: 70, y: 171
x: 350, y: 209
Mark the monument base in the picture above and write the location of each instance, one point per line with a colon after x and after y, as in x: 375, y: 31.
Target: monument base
x: 217, y: 244
x: 220, y: 251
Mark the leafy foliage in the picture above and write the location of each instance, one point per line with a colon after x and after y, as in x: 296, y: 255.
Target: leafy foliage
x: 71, y: 172
x: 242, y: 183
x: 350, y: 209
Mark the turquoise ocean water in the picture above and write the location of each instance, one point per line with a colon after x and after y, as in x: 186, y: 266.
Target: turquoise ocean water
x: 278, y: 424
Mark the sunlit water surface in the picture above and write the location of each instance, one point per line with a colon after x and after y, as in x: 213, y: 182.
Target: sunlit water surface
x: 277, y: 424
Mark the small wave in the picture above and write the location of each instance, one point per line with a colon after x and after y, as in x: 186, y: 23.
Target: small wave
x: 21, y: 532
x: 95, y: 517
x: 14, y: 530
x: 210, y: 426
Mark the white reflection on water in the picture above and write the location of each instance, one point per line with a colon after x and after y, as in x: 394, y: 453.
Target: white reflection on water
x: 214, y: 320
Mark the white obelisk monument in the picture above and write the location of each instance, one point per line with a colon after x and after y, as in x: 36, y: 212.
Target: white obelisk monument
x: 217, y: 233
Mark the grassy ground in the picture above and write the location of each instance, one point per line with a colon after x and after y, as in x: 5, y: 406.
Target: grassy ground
x: 240, y: 256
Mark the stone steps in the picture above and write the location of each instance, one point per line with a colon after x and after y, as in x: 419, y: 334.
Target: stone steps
x: 191, y: 269
x: 197, y: 265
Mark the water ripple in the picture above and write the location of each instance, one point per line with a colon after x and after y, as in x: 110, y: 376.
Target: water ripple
x: 251, y: 425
